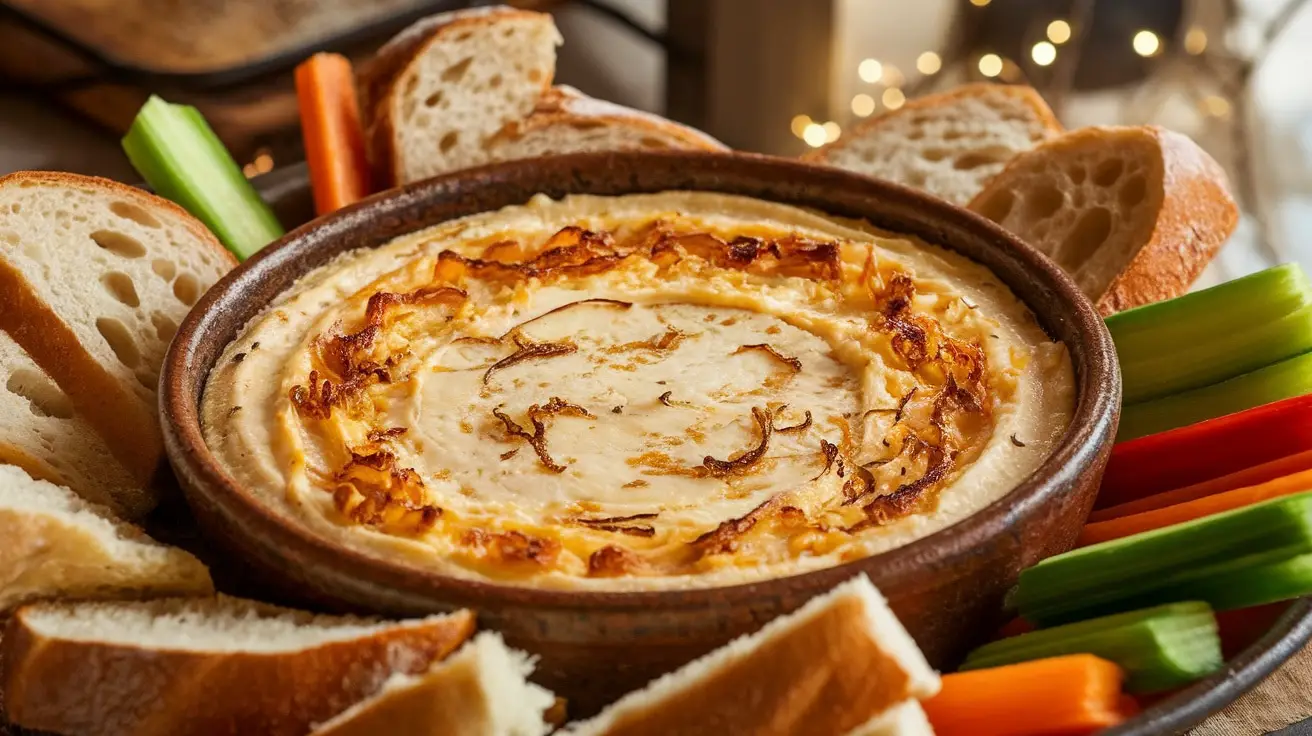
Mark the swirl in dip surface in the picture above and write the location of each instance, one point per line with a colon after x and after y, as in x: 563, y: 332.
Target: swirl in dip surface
x: 649, y: 391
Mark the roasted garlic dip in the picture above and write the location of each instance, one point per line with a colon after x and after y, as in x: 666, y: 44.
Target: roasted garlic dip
x: 649, y: 391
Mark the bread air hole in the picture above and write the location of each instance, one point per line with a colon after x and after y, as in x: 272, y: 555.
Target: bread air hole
x: 129, y: 211
x: 448, y: 141
x: 43, y: 397
x: 165, y: 327
x: 998, y: 206
x: 147, y: 379
x: 120, y: 341
x: 186, y: 289
x: 1108, y: 172
x: 976, y: 159
x: 120, y: 286
x: 1043, y: 202
x: 535, y: 75
x: 1090, y: 232
x: 495, y: 81
x: 164, y: 269
x: 434, y: 99
x: 119, y: 244
x: 15, y: 208
x: 9, y: 237
x: 934, y: 154
x: 1133, y: 191
x: 456, y: 71
x: 1077, y: 174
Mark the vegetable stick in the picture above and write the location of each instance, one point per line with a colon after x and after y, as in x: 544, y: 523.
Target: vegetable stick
x: 330, y: 126
x: 1105, y: 531
x: 1263, y: 473
x: 1206, y: 450
x: 1072, y: 695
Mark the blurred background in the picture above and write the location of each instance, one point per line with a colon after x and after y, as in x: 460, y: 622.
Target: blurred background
x: 775, y: 76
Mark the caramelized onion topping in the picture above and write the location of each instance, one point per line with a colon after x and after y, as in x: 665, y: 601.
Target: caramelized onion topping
x: 793, y: 363
x: 512, y: 547
x: 725, y: 537
x: 611, y: 560
x: 806, y: 424
x: 371, y: 490
x: 526, y: 350
x: 720, y: 468
x: 538, y: 439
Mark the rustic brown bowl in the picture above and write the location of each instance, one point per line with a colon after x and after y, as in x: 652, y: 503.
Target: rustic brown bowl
x: 947, y: 588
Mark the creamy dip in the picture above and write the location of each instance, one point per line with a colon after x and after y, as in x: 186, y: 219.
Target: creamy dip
x: 649, y: 391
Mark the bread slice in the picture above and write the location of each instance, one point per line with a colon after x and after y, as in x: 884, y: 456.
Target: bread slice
x: 204, y: 666
x: 948, y: 144
x: 480, y: 690
x: 40, y: 433
x: 1134, y: 214
x: 54, y: 544
x: 94, y: 278
x: 907, y: 719
x: 828, y: 668
x: 567, y: 121
x: 436, y: 93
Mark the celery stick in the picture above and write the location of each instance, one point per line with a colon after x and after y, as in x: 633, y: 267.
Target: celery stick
x: 1230, y: 560
x: 177, y: 153
x: 1283, y: 380
x: 1159, y: 648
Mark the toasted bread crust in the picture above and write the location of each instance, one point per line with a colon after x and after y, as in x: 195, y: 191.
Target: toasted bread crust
x: 1198, y: 215
x: 378, y: 80
x: 1027, y: 95
x: 130, y: 429
x: 564, y: 105
x: 110, y: 689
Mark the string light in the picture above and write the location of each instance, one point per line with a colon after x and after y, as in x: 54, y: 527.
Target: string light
x: 928, y: 63
x: 870, y: 71
x: 798, y: 126
x: 1215, y: 106
x: 893, y: 98
x: 863, y: 105
x: 1043, y: 53
x: 1146, y: 43
x: 1195, y: 41
x: 979, y: 3
x: 261, y: 164
x: 814, y: 135
x: 1059, y: 31
x: 832, y: 131
x: 893, y: 77
x: 990, y: 65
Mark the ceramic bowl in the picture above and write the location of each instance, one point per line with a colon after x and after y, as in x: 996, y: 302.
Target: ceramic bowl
x: 947, y: 588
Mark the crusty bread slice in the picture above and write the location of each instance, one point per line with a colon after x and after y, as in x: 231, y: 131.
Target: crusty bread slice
x: 829, y: 667
x: 907, y: 719
x: 1134, y: 214
x: 436, y: 93
x: 40, y: 433
x: 204, y: 666
x: 948, y: 144
x: 480, y: 690
x: 54, y: 544
x: 94, y: 278
x: 567, y: 121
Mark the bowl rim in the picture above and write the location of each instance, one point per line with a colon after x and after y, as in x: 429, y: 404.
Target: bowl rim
x: 1090, y: 432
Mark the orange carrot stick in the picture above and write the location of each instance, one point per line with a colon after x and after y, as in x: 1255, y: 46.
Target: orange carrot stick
x: 1062, y: 696
x: 1198, y: 508
x: 1268, y: 471
x: 330, y: 126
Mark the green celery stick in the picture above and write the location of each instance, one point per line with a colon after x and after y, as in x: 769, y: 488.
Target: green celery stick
x: 177, y: 153
x: 1231, y: 560
x: 1213, y: 335
x: 1159, y: 648
x: 1283, y: 380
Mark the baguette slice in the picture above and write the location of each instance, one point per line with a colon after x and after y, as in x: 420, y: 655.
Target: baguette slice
x: 204, y: 666
x: 40, y: 433
x: 436, y: 93
x: 94, y: 278
x: 1134, y: 214
x: 567, y: 121
x: 480, y: 690
x: 948, y: 144
x: 54, y: 544
x: 828, y: 668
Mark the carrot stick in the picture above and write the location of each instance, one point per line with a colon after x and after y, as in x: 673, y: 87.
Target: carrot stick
x: 1263, y: 473
x: 1125, y: 526
x: 330, y: 126
x: 1062, y: 696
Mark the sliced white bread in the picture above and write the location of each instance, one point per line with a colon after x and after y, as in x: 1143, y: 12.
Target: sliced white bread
x: 94, y: 278
x: 828, y: 668
x: 567, y: 121
x: 1134, y: 214
x: 204, y: 666
x: 480, y: 690
x: 40, y: 433
x: 948, y: 144
x: 54, y: 544
x: 434, y: 95
x: 907, y: 719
